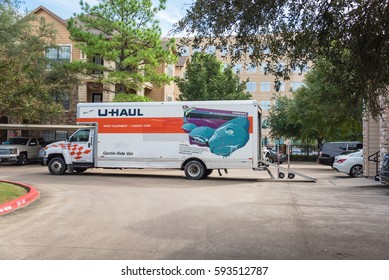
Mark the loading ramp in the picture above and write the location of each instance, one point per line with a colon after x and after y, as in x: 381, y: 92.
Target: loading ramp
x: 284, y: 173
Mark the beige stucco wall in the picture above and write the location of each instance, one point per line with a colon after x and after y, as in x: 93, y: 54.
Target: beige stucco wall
x: 371, y: 144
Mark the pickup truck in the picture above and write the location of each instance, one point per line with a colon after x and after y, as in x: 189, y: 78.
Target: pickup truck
x: 20, y: 149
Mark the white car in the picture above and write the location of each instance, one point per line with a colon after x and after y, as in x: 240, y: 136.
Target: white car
x: 352, y: 164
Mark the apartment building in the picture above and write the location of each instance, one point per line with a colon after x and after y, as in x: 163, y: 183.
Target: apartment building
x: 90, y: 89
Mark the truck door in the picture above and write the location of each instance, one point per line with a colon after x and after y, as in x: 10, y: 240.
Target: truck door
x: 80, y: 146
x: 33, y: 148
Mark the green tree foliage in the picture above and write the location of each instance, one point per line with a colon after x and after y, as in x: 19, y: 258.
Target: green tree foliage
x: 28, y: 89
x: 123, y: 32
x: 206, y: 80
x: 314, y: 110
x: 353, y: 35
x: 124, y: 97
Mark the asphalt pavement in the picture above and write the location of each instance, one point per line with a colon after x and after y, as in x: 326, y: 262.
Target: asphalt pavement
x: 159, y: 214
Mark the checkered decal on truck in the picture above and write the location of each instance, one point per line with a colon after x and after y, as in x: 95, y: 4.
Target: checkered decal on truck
x: 76, y: 151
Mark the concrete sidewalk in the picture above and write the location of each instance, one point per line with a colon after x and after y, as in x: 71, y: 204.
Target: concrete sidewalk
x: 357, y: 182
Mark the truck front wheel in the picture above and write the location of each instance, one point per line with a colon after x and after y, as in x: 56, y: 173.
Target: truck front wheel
x: 57, y: 166
x: 194, y: 170
x: 22, y: 159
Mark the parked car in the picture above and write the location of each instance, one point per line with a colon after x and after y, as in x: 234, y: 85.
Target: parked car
x: 351, y: 164
x: 296, y: 151
x: 271, y: 156
x: 20, y: 149
x: 384, y: 171
x: 330, y: 150
x: 42, y: 149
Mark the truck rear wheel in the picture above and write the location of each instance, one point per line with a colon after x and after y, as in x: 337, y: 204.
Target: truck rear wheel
x: 57, y: 166
x: 194, y: 170
x: 80, y: 169
x: 207, y: 173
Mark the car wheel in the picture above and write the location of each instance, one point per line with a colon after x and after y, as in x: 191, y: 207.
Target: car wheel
x: 22, y: 159
x: 356, y: 171
x: 57, y: 166
x: 269, y: 159
x: 194, y: 170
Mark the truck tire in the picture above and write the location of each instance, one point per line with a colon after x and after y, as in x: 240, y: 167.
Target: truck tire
x: 80, y: 169
x: 194, y: 170
x: 207, y: 173
x: 57, y: 166
x: 22, y: 160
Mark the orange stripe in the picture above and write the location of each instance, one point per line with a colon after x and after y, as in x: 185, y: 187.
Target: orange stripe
x: 140, y: 125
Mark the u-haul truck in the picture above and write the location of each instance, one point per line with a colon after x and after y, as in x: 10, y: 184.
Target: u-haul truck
x: 196, y: 136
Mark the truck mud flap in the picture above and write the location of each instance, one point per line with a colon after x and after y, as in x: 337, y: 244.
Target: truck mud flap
x: 283, y: 172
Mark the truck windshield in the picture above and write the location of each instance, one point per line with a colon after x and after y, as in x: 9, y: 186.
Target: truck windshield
x: 80, y: 136
x: 18, y: 141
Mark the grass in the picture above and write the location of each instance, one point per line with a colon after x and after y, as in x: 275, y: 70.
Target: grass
x: 9, y: 192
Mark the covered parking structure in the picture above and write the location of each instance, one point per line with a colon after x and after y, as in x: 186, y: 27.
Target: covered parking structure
x: 47, y: 131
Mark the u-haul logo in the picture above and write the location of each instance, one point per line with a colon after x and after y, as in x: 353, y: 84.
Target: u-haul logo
x: 119, y: 112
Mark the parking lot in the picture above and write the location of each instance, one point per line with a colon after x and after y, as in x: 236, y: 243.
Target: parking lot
x: 159, y: 214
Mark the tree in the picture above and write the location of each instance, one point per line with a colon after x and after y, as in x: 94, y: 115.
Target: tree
x: 124, y: 97
x: 314, y: 110
x: 206, y: 80
x: 126, y: 33
x: 351, y: 34
x: 28, y: 88
x: 281, y: 125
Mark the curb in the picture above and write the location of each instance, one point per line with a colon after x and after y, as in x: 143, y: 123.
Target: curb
x: 19, y: 202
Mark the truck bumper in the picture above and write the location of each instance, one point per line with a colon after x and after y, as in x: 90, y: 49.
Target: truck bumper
x: 8, y: 158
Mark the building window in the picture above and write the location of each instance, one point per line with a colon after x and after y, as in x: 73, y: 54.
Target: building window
x: 282, y: 86
x: 57, y: 54
x: 299, y: 69
x: 251, y: 86
x: 170, y: 70
x: 237, y: 68
x: 295, y: 85
x: 196, y: 49
x: 224, y: 51
x: 82, y: 55
x: 97, y: 60
x: 183, y: 51
x: 251, y: 69
x: 97, y: 97
x: 264, y: 67
x: 62, y: 97
x: 265, y: 105
x: 280, y: 66
x: 265, y: 86
x: 211, y: 50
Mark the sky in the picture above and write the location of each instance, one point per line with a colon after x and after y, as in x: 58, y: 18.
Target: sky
x: 175, y: 10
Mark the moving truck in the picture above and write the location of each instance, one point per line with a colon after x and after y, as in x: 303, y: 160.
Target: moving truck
x: 194, y: 136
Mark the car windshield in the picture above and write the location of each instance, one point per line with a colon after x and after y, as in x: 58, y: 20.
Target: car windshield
x: 18, y: 141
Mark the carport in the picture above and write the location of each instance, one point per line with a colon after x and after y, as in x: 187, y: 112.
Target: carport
x: 60, y: 131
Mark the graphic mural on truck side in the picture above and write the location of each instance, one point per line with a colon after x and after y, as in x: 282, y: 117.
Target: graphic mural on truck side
x: 222, y: 131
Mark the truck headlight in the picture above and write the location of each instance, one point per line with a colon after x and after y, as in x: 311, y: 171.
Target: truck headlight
x: 13, y: 151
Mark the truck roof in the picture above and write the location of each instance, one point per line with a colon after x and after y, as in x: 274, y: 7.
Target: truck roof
x: 171, y: 103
